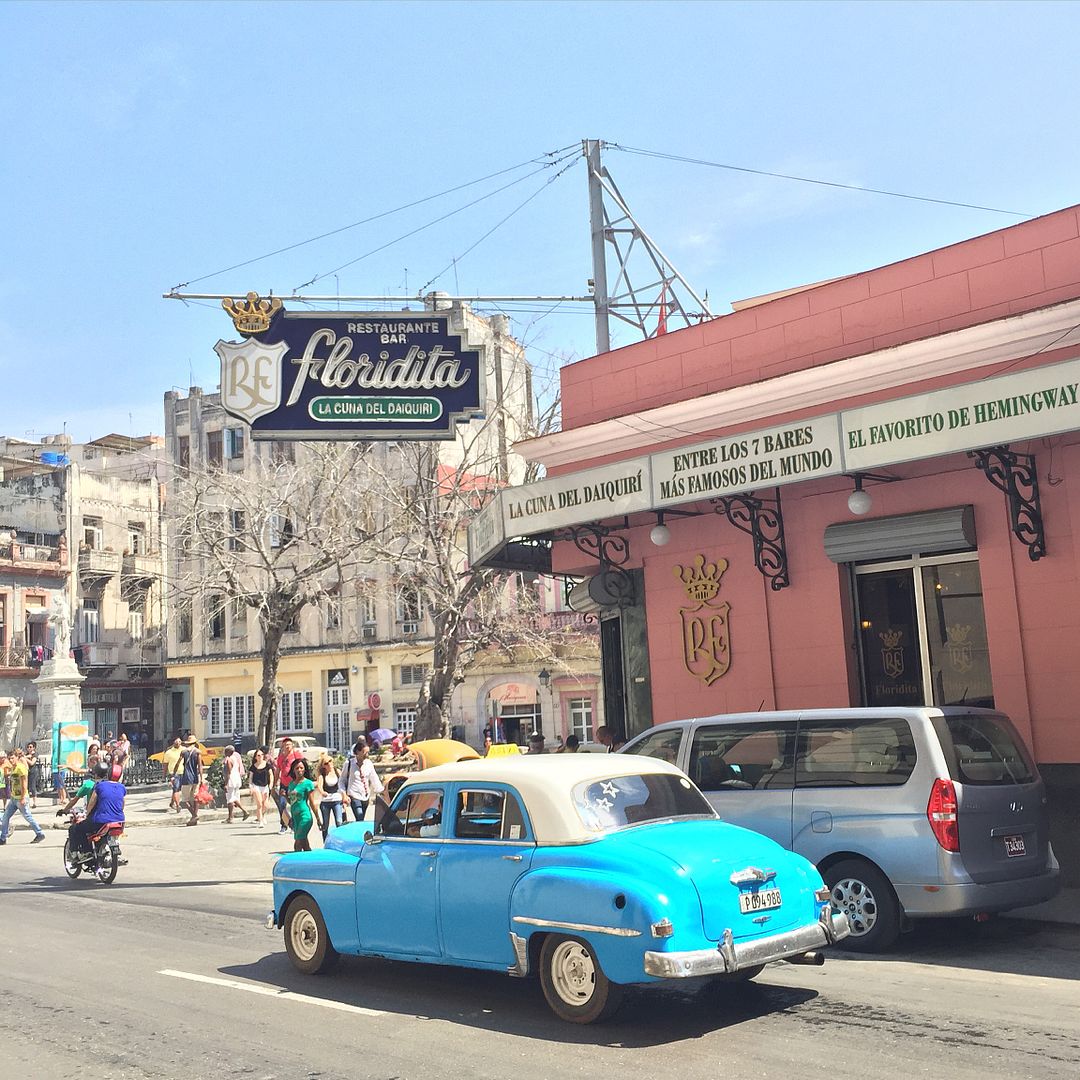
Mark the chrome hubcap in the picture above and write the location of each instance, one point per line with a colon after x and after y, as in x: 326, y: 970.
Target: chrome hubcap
x: 855, y: 899
x: 304, y: 935
x: 573, y: 973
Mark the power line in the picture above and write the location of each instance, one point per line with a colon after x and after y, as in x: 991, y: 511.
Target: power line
x: 521, y: 206
x: 434, y: 221
x: 374, y: 217
x: 810, y: 180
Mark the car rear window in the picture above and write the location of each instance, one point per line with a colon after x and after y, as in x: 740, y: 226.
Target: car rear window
x: 987, y: 750
x: 618, y: 801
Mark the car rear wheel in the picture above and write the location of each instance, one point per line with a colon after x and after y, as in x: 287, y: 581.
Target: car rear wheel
x: 306, y: 939
x: 574, y: 984
x: 864, y: 894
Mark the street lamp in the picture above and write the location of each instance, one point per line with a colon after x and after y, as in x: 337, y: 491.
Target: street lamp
x: 545, y: 683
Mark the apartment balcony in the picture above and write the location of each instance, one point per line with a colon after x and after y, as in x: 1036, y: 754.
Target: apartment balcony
x: 33, y: 558
x: 98, y: 656
x: 140, y: 570
x: 96, y: 567
x: 15, y: 658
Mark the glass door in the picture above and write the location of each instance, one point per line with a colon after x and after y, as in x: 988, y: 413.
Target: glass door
x: 922, y: 632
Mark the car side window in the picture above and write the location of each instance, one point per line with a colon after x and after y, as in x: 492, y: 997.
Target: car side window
x: 743, y: 757
x: 659, y: 744
x: 488, y: 814
x: 854, y: 753
x: 418, y: 816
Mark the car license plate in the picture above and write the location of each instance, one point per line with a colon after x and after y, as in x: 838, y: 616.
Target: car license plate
x: 1014, y: 845
x: 762, y: 900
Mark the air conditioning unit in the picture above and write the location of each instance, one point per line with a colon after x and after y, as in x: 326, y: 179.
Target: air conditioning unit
x: 369, y: 633
x: 410, y: 629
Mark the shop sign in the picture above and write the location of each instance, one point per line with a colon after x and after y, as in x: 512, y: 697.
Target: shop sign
x: 486, y: 532
x: 766, y: 458
x: 347, y: 375
x: 1025, y: 405
x: 590, y: 495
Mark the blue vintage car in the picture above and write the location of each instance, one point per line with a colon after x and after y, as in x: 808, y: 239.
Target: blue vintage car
x: 595, y: 871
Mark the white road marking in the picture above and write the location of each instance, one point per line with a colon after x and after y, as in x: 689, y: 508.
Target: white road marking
x: 271, y: 991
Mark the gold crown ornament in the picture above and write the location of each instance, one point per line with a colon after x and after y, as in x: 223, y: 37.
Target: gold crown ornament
x: 701, y: 580
x: 251, y: 316
x: 891, y: 638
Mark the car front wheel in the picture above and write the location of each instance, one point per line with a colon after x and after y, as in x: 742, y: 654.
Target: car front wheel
x: 574, y: 984
x: 864, y: 894
x: 306, y: 939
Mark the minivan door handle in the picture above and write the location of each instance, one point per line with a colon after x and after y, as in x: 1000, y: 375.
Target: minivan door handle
x: 820, y: 821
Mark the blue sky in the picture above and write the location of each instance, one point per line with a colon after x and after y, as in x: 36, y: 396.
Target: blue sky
x: 151, y: 144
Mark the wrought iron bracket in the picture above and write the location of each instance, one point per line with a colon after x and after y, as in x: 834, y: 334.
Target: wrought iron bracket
x: 1016, y: 476
x: 611, y: 550
x: 763, y: 519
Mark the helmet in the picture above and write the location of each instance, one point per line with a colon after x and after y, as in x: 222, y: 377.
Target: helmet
x: 101, y: 771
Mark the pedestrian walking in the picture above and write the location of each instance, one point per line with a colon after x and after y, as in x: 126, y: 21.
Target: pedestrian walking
x: 328, y: 786
x: 19, y: 780
x: 283, y: 769
x: 172, y: 761
x: 5, y: 783
x: 121, y: 756
x: 34, y: 765
x: 191, y: 777
x: 234, y: 775
x: 302, y: 804
x: 59, y: 777
x: 360, y: 782
x: 260, y: 781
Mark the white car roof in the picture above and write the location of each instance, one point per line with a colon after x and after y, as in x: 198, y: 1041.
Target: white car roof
x: 545, y: 782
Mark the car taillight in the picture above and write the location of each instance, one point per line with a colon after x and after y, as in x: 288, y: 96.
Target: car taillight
x: 941, y: 812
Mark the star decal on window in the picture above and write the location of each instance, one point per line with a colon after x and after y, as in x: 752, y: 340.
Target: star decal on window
x: 603, y: 804
x: 609, y: 788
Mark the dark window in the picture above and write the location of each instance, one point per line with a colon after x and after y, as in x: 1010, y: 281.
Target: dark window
x: 634, y: 800
x: 730, y: 758
x: 216, y: 621
x: 489, y: 815
x: 183, y: 620
x: 868, y: 753
x: 183, y: 451
x: 988, y: 751
x: 213, y: 448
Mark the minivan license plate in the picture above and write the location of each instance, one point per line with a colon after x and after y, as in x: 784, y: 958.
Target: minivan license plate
x: 1014, y: 845
x: 762, y: 900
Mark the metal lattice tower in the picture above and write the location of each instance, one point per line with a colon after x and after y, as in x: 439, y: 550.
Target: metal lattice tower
x: 665, y: 293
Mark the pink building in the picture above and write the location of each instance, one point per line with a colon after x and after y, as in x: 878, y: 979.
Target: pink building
x: 858, y: 493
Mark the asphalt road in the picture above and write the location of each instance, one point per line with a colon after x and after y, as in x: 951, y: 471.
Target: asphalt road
x: 169, y: 973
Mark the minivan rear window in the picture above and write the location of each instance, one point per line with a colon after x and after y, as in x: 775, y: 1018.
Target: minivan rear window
x: 987, y: 750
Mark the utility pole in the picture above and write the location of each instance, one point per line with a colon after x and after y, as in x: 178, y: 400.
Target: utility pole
x: 591, y: 148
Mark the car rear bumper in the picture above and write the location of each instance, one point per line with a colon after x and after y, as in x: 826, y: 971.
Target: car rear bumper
x: 730, y: 955
x: 921, y: 901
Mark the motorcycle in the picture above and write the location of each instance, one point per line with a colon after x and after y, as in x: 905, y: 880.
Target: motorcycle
x: 104, y: 858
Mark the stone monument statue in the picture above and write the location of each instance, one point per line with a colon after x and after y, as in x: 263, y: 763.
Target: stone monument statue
x: 60, y: 619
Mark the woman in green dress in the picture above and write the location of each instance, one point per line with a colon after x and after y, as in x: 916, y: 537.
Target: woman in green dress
x: 302, y: 804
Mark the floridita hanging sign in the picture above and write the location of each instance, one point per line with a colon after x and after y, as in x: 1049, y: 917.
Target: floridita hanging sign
x: 347, y: 375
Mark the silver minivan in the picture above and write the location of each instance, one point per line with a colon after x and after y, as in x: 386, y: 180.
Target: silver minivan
x: 907, y: 812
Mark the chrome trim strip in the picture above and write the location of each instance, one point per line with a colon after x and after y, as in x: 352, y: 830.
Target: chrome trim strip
x: 730, y: 956
x: 520, y: 967
x: 315, y: 881
x: 586, y: 928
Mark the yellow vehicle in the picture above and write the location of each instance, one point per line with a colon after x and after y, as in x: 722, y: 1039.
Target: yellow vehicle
x: 428, y: 754
x: 207, y: 755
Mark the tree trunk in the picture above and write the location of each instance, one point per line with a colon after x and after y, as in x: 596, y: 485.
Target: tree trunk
x: 271, y: 658
x: 432, y: 721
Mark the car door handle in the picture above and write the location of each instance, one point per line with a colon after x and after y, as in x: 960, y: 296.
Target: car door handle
x: 429, y: 854
x: 512, y: 858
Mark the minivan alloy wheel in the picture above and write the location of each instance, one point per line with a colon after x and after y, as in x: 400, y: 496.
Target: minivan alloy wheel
x: 854, y: 898
x: 865, y: 895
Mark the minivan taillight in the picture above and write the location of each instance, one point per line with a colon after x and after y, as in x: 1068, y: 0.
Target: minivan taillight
x: 941, y: 812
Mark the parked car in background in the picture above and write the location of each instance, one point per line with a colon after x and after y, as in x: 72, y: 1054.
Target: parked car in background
x: 907, y: 812
x: 308, y: 747
x: 207, y: 754
x: 591, y: 871
x: 426, y: 754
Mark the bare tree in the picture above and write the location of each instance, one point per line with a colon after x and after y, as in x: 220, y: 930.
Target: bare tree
x: 429, y: 499
x: 274, y: 538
